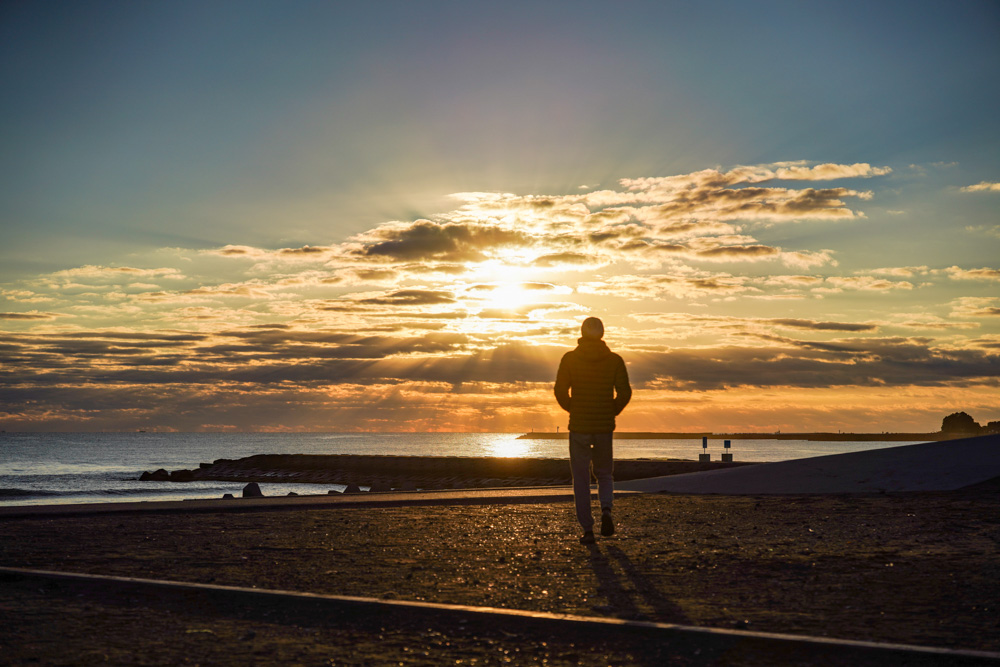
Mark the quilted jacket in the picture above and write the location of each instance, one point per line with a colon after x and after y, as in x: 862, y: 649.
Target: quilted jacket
x: 592, y: 385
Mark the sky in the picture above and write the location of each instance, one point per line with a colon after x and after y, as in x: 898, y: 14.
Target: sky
x: 394, y: 216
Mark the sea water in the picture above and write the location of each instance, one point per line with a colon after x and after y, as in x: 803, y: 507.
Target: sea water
x: 49, y: 468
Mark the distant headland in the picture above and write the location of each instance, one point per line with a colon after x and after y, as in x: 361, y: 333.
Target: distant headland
x: 828, y: 437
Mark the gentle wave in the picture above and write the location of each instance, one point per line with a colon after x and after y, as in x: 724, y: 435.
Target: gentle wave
x: 157, y: 490
x: 26, y: 493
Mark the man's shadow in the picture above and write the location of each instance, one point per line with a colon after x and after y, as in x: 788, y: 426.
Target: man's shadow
x: 641, y: 601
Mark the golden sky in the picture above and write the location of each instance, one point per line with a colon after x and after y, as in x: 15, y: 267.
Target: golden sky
x: 457, y: 321
x: 394, y: 216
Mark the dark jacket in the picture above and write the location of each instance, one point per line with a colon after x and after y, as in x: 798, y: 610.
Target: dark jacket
x: 592, y: 385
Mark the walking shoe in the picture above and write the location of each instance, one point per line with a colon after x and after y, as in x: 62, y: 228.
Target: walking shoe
x: 607, y: 524
x: 588, y: 538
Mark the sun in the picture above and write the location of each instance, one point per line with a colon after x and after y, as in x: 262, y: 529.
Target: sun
x: 507, y: 296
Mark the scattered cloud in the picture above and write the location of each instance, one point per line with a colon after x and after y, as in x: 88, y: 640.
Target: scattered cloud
x: 899, y: 271
x: 984, y: 186
x: 410, y: 297
x: 479, y: 302
x: 448, y: 242
x: 31, y: 315
x: 829, y: 172
x: 796, y: 323
x: 679, y: 286
x: 956, y: 273
x: 971, y: 306
x: 988, y: 230
x: 115, y: 273
x: 868, y: 283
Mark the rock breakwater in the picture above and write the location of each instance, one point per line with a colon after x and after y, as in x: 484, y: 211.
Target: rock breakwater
x: 418, y: 472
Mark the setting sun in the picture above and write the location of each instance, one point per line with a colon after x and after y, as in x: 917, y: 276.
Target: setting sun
x: 507, y: 297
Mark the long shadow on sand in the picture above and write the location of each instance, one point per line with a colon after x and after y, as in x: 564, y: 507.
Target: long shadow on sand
x: 630, y: 593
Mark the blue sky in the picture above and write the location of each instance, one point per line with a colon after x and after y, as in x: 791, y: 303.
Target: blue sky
x: 140, y: 141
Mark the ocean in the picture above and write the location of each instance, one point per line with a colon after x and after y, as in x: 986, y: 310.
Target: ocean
x: 51, y: 468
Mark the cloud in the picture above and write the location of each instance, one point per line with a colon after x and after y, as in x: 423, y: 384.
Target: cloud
x: 253, y: 289
x: 714, y: 178
x: 23, y: 296
x: 791, y: 282
x: 359, y: 276
x: 868, y: 283
x: 31, y: 315
x: 796, y: 323
x: 411, y: 297
x: 886, y: 362
x: 808, y: 259
x: 751, y: 325
x: 115, y: 272
x: 397, y: 326
x: 740, y: 252
x: 984, y: 186
x: 752, y: 203
x: 829, y: 171
x: 956, y: 273
x: 988, y: 230
x: 973, y: 306
x: 305, y: 250
x: 899, y: 271
x: 237, y: 251
x: 562, y: 259
x: 636, y: 287
x: 447, y: 242
x: 61, y: 376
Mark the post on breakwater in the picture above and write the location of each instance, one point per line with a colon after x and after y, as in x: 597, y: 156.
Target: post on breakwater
x: 704, y: 457
x: 727, y: 456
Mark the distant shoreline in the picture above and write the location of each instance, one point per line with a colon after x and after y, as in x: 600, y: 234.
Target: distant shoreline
x: 827, y: 437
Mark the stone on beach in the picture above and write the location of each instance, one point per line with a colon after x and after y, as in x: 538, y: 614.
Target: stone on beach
x: 252, y: 490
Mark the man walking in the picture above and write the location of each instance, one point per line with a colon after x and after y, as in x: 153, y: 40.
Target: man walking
x: 592, y: 386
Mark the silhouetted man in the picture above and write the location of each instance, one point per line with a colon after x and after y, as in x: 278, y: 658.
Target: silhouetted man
x: 592, y: 386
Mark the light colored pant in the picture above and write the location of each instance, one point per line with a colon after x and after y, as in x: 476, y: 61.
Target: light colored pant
x: 584, y: 449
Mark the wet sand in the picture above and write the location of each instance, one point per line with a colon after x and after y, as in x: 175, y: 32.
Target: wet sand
x: 915, y: 568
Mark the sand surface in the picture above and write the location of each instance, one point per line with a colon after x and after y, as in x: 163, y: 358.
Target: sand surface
x: 916, y: 568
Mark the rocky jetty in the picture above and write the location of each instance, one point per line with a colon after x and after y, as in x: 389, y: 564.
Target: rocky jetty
x: 424, y: 472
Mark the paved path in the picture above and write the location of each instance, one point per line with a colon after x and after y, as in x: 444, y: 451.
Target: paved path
x: 930, y: 466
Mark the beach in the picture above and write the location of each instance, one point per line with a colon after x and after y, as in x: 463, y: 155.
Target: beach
x: 913, y: 568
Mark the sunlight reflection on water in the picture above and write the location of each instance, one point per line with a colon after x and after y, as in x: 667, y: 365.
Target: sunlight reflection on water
x: 506, y: 445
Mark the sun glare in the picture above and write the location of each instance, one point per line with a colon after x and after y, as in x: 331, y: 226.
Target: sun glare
x: 507, y: 447
x: 507, y: 297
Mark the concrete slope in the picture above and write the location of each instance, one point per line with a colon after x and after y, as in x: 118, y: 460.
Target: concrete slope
x: 930, y: 466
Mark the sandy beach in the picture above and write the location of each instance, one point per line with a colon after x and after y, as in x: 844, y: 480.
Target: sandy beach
x: 915, y: 568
